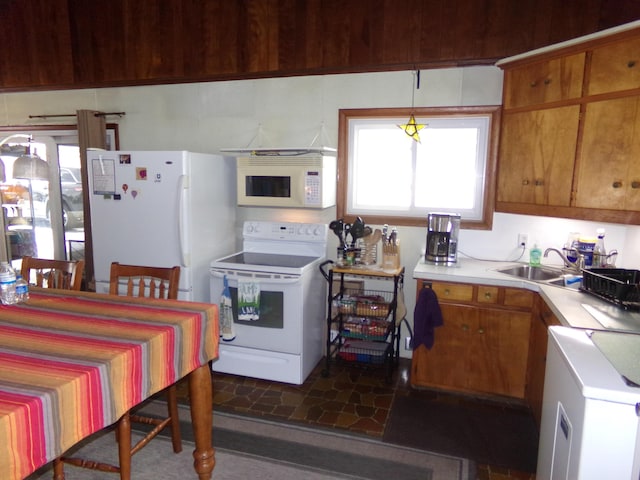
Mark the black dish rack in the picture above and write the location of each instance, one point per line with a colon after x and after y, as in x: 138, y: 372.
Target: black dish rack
x: 615, y: 285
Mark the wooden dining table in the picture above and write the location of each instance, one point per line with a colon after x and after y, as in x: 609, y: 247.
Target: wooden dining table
x: 72, y: 363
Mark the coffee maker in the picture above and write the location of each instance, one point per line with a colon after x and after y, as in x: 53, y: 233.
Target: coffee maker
x: 442, y: 238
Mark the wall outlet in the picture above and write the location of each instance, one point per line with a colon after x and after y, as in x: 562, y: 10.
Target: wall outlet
x: 523, y: 240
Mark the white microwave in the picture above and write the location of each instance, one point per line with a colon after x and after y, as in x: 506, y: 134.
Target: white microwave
x: 287, y: 181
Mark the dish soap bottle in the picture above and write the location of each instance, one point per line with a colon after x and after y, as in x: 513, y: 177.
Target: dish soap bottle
x: 534, y: 256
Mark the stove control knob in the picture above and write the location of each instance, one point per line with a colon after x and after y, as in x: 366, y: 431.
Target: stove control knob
x: 252, y: 227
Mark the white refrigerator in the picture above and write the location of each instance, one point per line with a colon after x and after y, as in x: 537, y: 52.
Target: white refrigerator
x: 162, y: 208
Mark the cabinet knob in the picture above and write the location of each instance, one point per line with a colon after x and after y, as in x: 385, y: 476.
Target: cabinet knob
x: 525, y: 181
x: 465, y: 327
x: 481, y: 331
x: 533, y: 84
x: 446, y: 291
x: 617, y: 184
x: 547, y: 81
x: 539, y: 182
x: 631, y: 63
x: 487, y: 295
x: 635, y: 184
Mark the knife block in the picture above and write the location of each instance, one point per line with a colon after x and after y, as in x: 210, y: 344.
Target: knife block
x: 390, y: 256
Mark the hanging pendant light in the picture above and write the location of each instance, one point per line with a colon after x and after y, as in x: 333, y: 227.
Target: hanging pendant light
x: 30, y: 167
x: 3, y: 174
x: 412, y: 128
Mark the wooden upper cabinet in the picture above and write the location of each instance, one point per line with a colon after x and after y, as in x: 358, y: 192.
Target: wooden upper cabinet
x: 571, y: 149
x: 544, y: 82
x: 615, y: 67
x: 609, y: 163
x: 537, y: 155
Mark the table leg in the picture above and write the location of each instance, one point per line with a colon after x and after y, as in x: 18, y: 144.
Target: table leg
x: 201, y: 395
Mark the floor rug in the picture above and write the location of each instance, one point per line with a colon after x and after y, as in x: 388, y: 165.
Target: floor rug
x: 500, y: 435
x: 254, y: 448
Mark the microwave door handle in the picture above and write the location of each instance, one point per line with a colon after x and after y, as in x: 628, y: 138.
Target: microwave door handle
x: 272, y: 280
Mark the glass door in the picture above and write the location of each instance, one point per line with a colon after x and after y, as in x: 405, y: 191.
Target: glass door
x: 41, y: 192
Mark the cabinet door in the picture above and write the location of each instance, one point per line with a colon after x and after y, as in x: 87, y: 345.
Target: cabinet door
x: 536, y: 368
x: 608, y: 168
x: 544, y: 82
x: 445, y: 365
x: 542, y: 320
x: 499, y: 353
x: 476, y: 350
x: 537, y: 154
x: 615, y: 67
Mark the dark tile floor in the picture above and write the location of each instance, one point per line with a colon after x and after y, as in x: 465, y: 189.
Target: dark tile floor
x: 352, y: 398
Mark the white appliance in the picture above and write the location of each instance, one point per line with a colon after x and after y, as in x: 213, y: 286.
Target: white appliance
x: 162, y: 209
x: 590, y: 418
x: 286, y: 342
x: 287, y: 178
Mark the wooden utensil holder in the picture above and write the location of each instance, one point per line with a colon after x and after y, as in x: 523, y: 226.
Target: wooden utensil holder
x: 390, y: 256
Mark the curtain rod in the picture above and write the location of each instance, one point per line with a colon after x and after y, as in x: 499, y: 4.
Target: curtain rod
x: 97, y: 114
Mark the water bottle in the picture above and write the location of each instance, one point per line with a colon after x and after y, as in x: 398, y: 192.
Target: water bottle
x: 22, y: 289
x: 7, y: 284
x: 599, y: 252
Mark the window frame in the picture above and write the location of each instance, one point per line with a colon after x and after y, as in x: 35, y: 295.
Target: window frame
x: 345, y: 115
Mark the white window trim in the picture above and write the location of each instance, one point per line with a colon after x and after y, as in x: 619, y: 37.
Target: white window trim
x: 350, y: 120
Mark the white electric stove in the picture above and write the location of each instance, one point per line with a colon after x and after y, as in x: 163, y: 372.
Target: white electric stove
x: 281, y: 260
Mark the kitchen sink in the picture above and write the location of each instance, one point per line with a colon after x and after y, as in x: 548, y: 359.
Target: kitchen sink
x: 544, y: 275
x: 536, y: 274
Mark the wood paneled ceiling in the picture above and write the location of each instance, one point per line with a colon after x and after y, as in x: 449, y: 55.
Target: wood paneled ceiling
x: 59, y: 44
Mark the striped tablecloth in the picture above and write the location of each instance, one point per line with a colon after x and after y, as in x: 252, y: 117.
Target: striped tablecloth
x: 72, y: 363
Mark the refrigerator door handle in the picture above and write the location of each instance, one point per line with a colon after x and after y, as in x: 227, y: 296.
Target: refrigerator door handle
x: 182, y: 187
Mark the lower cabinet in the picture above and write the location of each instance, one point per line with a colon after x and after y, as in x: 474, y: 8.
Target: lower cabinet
x: 483, y: 346
x: 543, y: 318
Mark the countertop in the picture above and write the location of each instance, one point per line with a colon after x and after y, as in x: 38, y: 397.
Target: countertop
x: 567, y: 304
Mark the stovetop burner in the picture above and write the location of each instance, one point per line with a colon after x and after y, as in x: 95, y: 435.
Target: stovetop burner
x: 277, y: 248
x: 268, y: 260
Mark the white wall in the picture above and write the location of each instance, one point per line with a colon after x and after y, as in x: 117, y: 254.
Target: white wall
x: 291, y: 112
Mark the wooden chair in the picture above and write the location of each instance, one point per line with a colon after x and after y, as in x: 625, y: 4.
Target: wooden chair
x: 139, y: 281
x: 63, y: 274
x: 150, y: 282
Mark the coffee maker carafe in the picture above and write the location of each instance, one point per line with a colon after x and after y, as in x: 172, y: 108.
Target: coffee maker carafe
x: 442, y: 238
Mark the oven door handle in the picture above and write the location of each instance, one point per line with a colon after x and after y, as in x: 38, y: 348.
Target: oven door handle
x: 277, y: 279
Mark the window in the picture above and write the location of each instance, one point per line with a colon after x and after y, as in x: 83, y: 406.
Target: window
x: 386, y: 177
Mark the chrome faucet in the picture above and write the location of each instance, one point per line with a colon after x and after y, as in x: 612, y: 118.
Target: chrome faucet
x: 576, y: 266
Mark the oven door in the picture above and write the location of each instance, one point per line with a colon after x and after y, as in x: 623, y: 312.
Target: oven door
x: 279, y: 326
